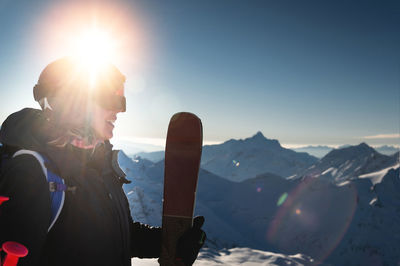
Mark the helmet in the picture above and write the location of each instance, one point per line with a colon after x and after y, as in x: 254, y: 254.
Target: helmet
x: 72, y: 80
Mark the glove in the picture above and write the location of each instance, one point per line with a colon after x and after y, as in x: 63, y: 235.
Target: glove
x: 190, y: 242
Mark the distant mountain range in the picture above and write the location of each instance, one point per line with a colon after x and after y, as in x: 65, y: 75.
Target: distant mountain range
x: 156, y: 153
x: 134, y: 147
x: 317, y: 151
x: 238, y: 160
x: 321, y: 151
x: 387, y: 150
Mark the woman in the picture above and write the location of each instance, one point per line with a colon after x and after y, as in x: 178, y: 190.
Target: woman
x: 72, y: 130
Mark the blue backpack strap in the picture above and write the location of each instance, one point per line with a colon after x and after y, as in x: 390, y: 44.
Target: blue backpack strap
x: 57, y: 185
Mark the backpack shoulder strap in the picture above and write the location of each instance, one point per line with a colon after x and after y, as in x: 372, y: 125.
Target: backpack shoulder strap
x: 57, y: 186
x: 38, y: 157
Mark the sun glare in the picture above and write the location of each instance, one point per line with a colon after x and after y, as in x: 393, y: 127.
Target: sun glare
x: 93, y: 47
x: 109, y: 31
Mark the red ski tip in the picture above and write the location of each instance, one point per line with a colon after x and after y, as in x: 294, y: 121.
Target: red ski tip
x: 14, y: 251
x: 3, y: 199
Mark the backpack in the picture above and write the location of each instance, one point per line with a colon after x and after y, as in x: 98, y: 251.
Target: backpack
x: 57, y: 185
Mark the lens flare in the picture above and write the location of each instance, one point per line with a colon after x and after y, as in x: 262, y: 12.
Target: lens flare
x: 304, y: 217
x: 282, y: 199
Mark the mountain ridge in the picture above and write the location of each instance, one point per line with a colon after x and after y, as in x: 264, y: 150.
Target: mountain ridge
x: 349, y: 163
x: 241, y: 159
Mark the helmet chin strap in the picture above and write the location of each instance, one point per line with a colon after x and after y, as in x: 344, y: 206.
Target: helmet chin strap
x: 44, y: 103
x: 46, y: 108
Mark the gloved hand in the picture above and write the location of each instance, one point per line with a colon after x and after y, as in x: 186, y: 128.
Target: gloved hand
x: 190, y: 242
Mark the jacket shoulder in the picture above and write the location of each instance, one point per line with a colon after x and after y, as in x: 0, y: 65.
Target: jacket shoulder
x: 23, y: 169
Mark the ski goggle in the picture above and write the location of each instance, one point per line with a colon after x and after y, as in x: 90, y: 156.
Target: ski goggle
x: 112, y: 102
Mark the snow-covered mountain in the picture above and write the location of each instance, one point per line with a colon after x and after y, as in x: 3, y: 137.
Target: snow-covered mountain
x: 345, y: 224
x: 155, y: 156
x: 349, y: 163
x: 354, y: 223
x: 145, y: 192
x: 373, y: 236
x: 238, y: 160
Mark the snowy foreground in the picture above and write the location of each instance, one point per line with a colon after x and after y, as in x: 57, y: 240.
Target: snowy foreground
x: 238, y: 256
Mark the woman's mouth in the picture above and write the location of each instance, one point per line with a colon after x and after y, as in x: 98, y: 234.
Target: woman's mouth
x: 110, y: 122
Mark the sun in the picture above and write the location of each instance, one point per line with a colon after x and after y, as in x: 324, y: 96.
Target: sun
x: 94, y: 47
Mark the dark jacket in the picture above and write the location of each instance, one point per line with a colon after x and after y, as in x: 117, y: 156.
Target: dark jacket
x: 95, y: 226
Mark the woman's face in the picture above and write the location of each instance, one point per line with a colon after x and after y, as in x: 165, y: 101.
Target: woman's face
x: 103, y: 121
x: 77, y: 114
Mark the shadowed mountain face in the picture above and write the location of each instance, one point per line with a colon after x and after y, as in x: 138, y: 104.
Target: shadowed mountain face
x: 349, y: 163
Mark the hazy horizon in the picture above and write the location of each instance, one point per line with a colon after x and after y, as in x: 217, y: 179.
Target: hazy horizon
x: 158, y: 144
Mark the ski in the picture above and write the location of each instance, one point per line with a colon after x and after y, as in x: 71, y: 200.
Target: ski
x: 182, y: 163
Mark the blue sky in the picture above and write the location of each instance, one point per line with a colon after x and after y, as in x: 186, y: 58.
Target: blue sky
x: 302, y: 72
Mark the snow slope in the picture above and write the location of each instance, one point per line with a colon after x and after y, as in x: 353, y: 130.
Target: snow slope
x: 238, y: 256
x: 376, y: 177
